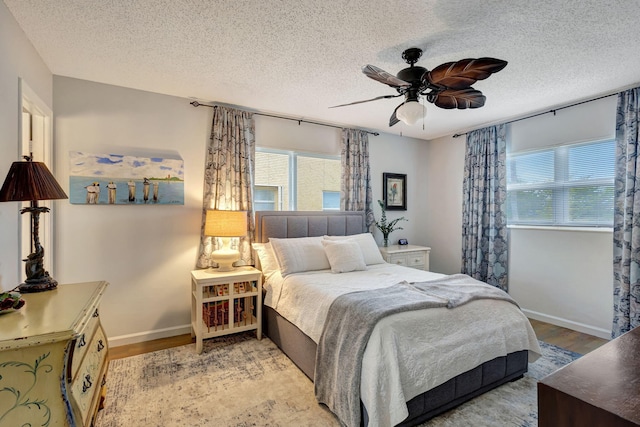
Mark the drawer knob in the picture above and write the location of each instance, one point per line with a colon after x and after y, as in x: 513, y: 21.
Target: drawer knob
x: 95, y: 313
x: 100, y: 345
x: 87, y: 383
x: 81, y: 341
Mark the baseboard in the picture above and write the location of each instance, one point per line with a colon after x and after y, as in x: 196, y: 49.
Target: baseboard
x: 186, y: 329
x: 576, y: 326
x: 149, y: 335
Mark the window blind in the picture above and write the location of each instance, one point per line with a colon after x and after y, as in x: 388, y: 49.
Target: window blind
x: 569, y: 185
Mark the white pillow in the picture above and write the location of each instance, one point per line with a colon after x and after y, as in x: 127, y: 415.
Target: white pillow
x: 268, y: 261
x: 344, y: 255
x: 300, y: 254
x: 368, y: 246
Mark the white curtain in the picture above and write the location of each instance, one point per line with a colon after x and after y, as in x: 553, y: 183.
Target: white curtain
x: 229, y: 176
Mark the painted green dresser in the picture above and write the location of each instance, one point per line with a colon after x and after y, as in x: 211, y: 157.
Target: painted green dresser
x: 53, y: 358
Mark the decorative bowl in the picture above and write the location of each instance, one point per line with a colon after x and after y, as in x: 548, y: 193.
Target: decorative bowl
x: 10, y: 301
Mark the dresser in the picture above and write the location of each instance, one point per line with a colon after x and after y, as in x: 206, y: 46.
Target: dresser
x: 600, y: 389
x: 53, y: 358
x: 408, y: 255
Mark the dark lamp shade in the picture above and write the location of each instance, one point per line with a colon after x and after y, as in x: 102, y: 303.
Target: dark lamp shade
x: 27, y: 181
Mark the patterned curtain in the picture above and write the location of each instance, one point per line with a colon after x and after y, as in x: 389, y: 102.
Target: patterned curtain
x: 355, y: 186
x: 626, y: 218
x: 484, y: 218
x: 228, y: 176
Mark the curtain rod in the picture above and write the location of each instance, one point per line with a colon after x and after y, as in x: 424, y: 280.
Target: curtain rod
x: 546, y: 112
x: 197, y: 104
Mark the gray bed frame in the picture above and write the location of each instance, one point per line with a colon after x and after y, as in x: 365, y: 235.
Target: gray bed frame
x: 302, y: 350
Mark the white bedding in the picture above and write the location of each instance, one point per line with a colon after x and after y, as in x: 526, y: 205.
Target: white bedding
x: 407, y: 353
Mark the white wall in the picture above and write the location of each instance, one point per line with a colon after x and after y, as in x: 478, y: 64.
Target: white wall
x: 19, y: 60
x: 147, y: 252
x: 144, y: 252
x: 444, y: 172
x: 558, y: 276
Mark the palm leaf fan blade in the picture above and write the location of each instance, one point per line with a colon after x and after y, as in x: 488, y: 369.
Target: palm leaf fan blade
x: 460, y: 99
x: 382, y: 76
x: 463, y: 73
x: 394, y: 119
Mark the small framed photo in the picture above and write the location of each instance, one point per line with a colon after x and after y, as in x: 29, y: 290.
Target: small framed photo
x: 394, y: 188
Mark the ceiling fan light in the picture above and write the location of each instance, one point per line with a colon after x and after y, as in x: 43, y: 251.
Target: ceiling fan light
x: 410, y: 112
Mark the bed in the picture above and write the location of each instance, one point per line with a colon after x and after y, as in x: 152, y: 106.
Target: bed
x: 296, y: 331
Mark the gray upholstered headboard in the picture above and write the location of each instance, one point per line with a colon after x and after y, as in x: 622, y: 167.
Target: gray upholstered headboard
x: 288, y: 224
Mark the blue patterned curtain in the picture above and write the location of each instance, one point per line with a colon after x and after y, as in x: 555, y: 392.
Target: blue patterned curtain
x: 626, y: 220
x: 355, y: 186
x: 228, y: 175
x: 484, y: 219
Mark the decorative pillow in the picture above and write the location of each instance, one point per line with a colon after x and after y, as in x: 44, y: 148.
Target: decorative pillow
x: 368, y: 246
x: 344, y: 255
x: 300, y: 254
x: 268, y: 261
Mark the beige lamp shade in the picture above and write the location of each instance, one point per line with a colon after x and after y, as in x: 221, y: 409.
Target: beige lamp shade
x: 225, y: 223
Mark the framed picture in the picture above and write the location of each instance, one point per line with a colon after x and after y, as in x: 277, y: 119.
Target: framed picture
x: 117, y: 179
x: 394, y: 189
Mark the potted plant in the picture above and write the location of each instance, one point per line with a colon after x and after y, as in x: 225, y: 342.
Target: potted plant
x: 387, y: 227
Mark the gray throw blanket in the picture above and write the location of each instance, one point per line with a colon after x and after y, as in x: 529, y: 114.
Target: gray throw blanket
x: 351, y: 319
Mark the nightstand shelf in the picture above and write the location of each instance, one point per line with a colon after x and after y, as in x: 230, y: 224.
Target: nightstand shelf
x: 225, y: 303
x: 407, y: 255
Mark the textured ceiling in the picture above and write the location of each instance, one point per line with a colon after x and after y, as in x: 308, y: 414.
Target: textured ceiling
x: 298, y: 57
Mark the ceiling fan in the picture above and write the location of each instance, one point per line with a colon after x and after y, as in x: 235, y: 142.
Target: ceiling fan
x: 447, y: 86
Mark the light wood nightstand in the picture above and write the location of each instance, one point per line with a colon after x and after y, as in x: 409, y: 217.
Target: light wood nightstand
x: 407, y: 255
x: 225, y: 303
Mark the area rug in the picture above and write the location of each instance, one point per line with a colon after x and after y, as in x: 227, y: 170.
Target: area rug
x: 240, y: 381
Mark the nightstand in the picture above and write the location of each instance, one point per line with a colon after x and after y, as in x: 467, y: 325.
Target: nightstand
x: 225, y: 303
x: 408, y: 255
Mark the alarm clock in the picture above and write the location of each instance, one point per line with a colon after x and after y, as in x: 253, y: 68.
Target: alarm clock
x: 403, y: 242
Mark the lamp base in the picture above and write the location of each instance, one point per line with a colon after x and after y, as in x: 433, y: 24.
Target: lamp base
x: 40, y: 284
x: 225, y: 259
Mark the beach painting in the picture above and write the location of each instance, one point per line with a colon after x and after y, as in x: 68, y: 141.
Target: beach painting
x: 115, y: 179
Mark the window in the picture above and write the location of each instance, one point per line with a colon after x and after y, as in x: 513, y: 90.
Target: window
x: 569, y: 185
x: 330, y: 200
x: 302, y: 180
x: 267, y: 198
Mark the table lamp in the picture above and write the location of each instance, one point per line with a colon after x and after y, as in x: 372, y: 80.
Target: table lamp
x: 32, y: 181
x: 225, y: 224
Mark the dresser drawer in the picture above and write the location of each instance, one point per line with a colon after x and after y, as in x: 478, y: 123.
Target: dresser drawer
x: 87, y: 384
x: 413, y: 256
x: 82, y: 344
x: 416, y: 259
x: 398, y: 259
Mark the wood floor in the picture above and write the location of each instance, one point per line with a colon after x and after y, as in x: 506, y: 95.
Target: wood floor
x: 562, y: 337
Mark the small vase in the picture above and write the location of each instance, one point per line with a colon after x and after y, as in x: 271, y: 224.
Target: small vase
x: 385, y: 242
